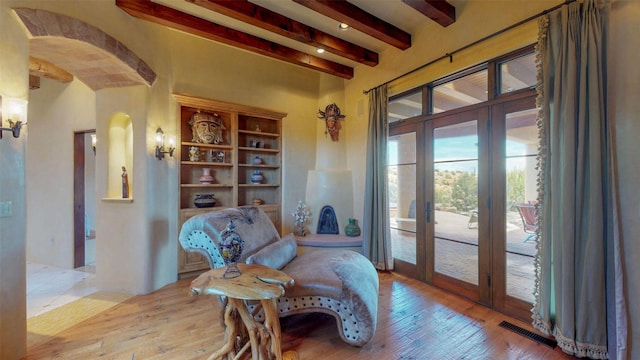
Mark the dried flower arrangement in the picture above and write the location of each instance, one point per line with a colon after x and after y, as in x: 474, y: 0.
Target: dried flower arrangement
x: 302, y: 216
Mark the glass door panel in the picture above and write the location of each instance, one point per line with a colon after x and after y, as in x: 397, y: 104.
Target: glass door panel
x: 455, y: 166
x: 520, y: 178
x: 401, y: 177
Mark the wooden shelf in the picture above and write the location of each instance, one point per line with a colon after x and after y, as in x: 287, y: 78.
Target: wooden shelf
x: 207, y: 146
x: 263, y: 166
x: 259, y: 133
x: 206, y: 185
x: 205, y: 163
x: 258, y: 185
x: 246, y: 148
x: 240, y: 125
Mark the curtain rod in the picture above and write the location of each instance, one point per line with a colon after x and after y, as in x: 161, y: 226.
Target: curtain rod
x: 450, y: 54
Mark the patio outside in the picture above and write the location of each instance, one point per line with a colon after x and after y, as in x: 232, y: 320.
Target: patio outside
x: 456, y: 245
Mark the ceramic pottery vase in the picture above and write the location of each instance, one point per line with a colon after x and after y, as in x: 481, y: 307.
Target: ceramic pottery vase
x: 206, y: 177
x: 256, y: 160
x: 352, y: 229
x: 204, y: 200
x: 231, y: 246
x: 194, y: 153
x: 257, y: 177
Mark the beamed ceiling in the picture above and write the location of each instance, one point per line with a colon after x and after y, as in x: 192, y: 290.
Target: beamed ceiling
x: 292, y: 30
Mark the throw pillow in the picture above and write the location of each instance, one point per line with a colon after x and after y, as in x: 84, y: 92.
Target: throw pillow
x: 276, y: 255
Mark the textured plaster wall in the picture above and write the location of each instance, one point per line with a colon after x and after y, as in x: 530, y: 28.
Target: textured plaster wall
x: 137, y: 240
x: 13, y: 83
x: 56, y: 110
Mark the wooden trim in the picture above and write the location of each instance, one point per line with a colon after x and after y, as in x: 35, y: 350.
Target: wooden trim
x: 217, y: 105
x: 43, y: 68
x: 78, y: 200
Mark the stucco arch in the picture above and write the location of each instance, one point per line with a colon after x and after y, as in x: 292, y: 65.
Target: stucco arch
x: 93, y: 56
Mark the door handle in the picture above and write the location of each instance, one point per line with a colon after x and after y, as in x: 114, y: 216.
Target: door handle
x: 428, y: 211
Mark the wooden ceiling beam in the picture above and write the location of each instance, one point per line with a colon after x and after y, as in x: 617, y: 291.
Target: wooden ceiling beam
x: 345, y: 12
x: 439, y: 11
x: 269, y: 20
x: 166, y: 16
x: 45, y: 69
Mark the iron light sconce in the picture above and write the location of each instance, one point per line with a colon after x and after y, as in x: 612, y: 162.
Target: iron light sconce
x: 93, y: 143
x: 15, y: 111
x: 160, y: 150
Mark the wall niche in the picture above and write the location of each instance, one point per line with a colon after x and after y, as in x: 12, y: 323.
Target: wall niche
x: 119, y: 158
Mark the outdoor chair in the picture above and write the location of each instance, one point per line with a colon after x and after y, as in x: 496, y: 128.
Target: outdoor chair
x: 529, y: 220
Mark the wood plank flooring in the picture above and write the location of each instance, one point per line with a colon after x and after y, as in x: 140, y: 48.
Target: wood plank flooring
x: 415, y: 321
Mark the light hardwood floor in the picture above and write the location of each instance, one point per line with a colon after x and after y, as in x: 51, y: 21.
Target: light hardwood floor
x: 415, y: 321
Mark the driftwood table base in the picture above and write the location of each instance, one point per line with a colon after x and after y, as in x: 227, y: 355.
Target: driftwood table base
x: 243, y: 331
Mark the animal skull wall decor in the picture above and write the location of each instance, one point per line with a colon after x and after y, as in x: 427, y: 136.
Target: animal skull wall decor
x: 332, y: 117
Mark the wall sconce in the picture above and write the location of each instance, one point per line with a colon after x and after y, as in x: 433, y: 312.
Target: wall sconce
x: 160, y: 151
x: 15, y: 111
x: 93, y: 143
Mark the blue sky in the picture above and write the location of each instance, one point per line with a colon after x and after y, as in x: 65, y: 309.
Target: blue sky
x: 462, y: 152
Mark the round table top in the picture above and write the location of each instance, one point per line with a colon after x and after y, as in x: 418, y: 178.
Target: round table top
x: 257, y: 282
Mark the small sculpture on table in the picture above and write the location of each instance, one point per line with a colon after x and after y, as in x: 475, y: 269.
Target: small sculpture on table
x: 302, y: 216
x: 231, y: 246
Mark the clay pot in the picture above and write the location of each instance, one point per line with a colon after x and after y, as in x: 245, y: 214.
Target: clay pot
x: 206, y: 177
x: 204, y: 200
x: 352, y: 229
x: 257, y: 177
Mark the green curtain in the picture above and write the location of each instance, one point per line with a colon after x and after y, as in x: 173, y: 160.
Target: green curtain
x: 576, y: 182
x: 376, y: 244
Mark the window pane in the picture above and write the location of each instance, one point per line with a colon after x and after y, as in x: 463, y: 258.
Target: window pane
x: 402, y: 196
x: 404, y: 107
x: 521, y: 148
x: 468, y: 90
x: 456, y: 200
x: 518, y: 73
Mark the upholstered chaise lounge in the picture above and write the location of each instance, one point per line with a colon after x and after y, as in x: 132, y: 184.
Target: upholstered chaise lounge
x: 341, y: 283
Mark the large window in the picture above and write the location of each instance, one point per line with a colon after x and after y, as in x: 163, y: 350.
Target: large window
x: 459, y: 92
x: 513, y: 72
x: 406, y: 106
x: 461, y: 174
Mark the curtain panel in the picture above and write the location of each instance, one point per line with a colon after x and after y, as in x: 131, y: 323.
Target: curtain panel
x: 576, y: 183
x: 376, y: 244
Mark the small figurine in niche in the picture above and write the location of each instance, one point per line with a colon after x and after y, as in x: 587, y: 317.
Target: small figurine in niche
x: 332, y: 117
x: 125, y: 183
x: 206, y: 128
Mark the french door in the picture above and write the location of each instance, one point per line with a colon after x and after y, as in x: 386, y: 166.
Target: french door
x: 455, y: 183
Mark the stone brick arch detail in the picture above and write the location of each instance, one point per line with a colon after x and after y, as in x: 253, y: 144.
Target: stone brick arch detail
x: 68, y: 42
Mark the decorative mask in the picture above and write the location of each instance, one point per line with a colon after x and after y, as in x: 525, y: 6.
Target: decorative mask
x: 206, y: 128
x: 332, y: 117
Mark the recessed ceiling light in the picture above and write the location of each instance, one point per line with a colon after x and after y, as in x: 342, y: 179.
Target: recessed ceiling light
x: 343, y: 26
x: 320, y: 50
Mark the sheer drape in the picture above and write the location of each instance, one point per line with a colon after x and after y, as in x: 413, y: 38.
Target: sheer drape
x: 376, y: 237
x: 577, y: 179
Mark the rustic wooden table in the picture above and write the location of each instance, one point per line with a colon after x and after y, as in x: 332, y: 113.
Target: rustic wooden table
x: 257, y: 283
